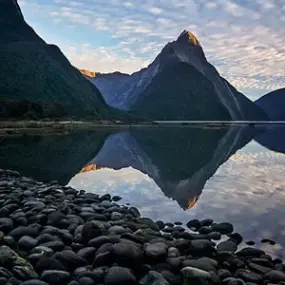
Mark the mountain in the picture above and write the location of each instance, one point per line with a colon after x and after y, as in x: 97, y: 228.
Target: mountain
x: 180, y: 162
x: 40, y: 74
x: 179, y: 84
x: 273, y: 104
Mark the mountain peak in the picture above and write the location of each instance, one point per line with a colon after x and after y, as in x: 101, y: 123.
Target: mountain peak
x: 88, y: 73
x: 188, y: 37
x: 11, y: 10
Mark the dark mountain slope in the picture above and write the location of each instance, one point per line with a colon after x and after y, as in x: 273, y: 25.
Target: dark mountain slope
x: 33, y: 70
x: 273, y: 104
x: 166, y: 98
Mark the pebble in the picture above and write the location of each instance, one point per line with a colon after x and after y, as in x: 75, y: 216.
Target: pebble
x: 223, y: 228
x: 195, y: 273
x: 227, y: 245
x: 55, y: 277
x: 119, y: 276
x: 275, y: 276
x: 153, y: 278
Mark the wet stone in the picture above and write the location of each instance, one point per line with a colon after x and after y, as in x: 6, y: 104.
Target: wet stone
x: 55, y: 277
x: 119, y: 276
x: 223, y: 228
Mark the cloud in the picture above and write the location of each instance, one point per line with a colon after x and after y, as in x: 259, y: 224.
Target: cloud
x: 239, y: 38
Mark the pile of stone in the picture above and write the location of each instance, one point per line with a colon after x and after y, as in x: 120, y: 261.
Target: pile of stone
x: 53, y: 234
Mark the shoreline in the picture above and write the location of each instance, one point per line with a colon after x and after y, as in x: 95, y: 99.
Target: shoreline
x: 53, y: 234
x: 65, y: 127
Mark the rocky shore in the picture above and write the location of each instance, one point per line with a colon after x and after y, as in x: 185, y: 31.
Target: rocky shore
x: 53, y: 234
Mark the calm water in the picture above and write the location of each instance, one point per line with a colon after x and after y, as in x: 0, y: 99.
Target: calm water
x: 171, y: 174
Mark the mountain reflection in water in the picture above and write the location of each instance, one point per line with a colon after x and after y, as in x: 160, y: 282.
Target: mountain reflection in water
x: 179, y: 161
x: 228, y: 174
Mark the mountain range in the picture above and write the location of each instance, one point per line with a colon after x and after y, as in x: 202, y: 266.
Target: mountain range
x: 180, y: 84
x: 37, y: 80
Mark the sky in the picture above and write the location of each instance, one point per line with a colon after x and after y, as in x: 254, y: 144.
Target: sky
x: 243, y: 39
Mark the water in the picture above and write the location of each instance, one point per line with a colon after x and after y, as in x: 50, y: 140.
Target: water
x: 233, y: 174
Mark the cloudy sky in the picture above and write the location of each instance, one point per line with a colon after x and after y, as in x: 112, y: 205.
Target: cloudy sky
x: 244, y: 39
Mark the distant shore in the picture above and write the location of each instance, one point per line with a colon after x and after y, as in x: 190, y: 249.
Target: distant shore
x: 65, y: 126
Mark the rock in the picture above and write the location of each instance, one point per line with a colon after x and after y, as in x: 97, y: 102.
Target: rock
x: 86, y: 281
x: 73, y: 283
x: 103, y: 259
x: 205, y: 230
x: 105, y: 197
x: 43, y: 238
x: 193, y: 224
x: 43, y: 250
x: 259, y: 268
x: 171, y: 277
x: 9, y: 258
x: 34, y: 282
x: 55, y: 218
x: 55, y: 277
x: 90, y: 231
x: 150, y: 223
x: 201, y: 247
x: 182, y: 244
x: 236, y: 237
x: 24, y: 231
x: 87, y: 253
x: 175, y: 262
x: 160, y: 224
x: 153, y: 278
x: 49, y: 263
x: 248, y: 276
x: 173, y: 252
x: 275, y: 276
x: 6, y: 225
x: 224, y: 273
x: 116, y: 230
x: 27, y: 242
x: 206, y: 222
x: 234, y: 281
x: 135, y: 212
x: 250, y: 243
x: 195, y: 273
x: 24, y: 273
x: 5, y: 273
x: 204, y: 263
x: 227, y: 246
x: 97, y: 242
x: 250, y: 252
x: 223, y: 228
x: 156, y: 251
x: 70, y: 259
x: 262, y: 261
x: 119, y: 276
x: 10, y: 242
x: 214, y: 236
x: 117, y: 198
x: 127, y: 254
x: 116, y: 216
x: 56, y: 245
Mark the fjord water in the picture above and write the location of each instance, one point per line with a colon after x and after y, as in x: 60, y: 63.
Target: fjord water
x: 233, y: 174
